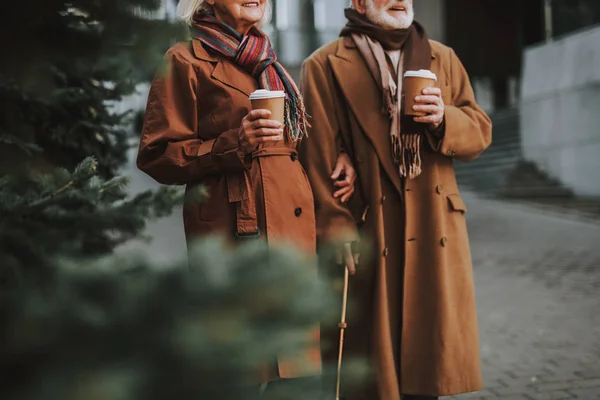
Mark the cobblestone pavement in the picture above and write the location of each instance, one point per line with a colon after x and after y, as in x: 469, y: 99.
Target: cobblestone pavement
x: 538, y: 289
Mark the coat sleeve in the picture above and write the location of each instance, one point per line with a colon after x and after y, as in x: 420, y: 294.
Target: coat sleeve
x: 466, y: 130
x: 319, y: 152
x: 170, y: 149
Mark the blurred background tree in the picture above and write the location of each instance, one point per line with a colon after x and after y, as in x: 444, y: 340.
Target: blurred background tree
x: 65, y: 66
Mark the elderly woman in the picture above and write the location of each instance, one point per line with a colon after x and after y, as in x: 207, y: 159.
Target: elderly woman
x: 199, y: 129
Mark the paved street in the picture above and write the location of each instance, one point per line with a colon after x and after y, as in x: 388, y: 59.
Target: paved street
x: 538, y: 289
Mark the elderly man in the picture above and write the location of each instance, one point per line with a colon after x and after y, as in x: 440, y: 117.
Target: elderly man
x: 412, y: 312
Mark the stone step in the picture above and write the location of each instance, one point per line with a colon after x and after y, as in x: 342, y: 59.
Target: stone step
x: 539, y: 191
x: 500, y: 162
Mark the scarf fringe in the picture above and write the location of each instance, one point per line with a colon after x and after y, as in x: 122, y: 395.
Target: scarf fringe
x: 407, y: 153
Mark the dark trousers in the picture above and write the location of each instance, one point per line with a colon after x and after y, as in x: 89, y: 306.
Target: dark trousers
x: 307, y: 389
x: 292, y: 389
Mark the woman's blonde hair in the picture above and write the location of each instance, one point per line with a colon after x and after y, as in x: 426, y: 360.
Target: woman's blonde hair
x: 187, y: 8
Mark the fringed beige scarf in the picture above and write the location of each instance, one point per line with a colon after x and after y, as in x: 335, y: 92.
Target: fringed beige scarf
x: 406, y: 147
x: 371, y: 40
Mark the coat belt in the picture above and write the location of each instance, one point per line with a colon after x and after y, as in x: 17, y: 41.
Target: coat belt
x: 240, y: 191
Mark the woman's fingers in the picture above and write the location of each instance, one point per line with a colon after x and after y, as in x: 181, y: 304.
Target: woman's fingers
x: 343, y: 191
x: 258, y: 114
x: 347, y: 196
x: 266, y: 123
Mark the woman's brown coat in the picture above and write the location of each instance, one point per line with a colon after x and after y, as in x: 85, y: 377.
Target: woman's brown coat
x: 413, y: 301
x: 190, y: 137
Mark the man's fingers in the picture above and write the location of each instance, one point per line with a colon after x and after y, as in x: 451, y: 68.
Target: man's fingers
x: 432, y: 90
x: 427, y: 99
x: 429, y: 119
x: 429, y: 108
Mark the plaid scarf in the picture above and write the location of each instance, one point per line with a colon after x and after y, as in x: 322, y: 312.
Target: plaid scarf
x: 254, y: 54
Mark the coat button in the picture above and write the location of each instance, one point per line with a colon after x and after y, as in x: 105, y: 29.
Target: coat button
x: 444, y: 241
x: 386, y: 252
x: 383, y: 199
x: 294, y: 157
x: 298, y: 212
x: 439, y: 189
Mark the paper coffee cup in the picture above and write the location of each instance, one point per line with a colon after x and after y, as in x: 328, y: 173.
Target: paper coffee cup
x: 272, y: 100
x: 414, y: 82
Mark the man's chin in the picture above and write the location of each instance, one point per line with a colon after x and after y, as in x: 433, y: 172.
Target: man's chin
x: 396, y: 24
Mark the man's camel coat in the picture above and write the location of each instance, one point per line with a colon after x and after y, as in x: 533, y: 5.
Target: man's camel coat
x: 413, y: 300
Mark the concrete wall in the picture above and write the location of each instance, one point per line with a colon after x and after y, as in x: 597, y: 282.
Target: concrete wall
x: 560, y: 110
x: 432, y: 15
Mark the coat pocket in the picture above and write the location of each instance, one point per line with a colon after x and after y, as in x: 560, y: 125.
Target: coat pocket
x: 456, y: 203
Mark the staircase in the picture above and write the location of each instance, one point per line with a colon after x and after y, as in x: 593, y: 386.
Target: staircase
x: 488, y: 173
x: 501, y: 172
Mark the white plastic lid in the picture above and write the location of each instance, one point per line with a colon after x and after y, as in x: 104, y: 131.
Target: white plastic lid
x: 262, y: 94
x: 422, y: 73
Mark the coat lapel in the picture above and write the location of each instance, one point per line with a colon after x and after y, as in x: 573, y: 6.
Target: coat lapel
x: 225, y: 71
x: 365, y: 100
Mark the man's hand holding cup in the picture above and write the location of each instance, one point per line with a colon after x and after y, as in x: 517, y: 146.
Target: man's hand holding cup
x: 423, y: 99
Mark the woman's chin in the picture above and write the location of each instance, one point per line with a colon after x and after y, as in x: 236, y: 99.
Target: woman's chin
x: 252, y: 16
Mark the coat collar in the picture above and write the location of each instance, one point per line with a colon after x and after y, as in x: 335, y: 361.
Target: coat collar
x: 225, y: 71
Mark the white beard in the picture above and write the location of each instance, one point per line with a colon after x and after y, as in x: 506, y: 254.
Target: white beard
x: 385, y: 20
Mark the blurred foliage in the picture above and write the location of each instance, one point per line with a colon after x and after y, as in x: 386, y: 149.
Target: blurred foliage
x: 123, y: 328
x: 69, y: 214
x: 67, y: 65
x: 68, y: 62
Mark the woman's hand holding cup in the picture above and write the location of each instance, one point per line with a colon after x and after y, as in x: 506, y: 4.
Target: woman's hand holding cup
x: 256, y: 129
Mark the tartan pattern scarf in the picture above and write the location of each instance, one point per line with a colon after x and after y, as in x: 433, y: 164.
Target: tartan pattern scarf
x: 254, y: 54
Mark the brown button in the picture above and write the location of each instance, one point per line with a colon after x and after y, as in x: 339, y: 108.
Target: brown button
x: 439, y: 189
x: 294, y: 157
x: 444, y: 241
x: 383, y: 199
x: 386, y: 252
x: 298, y: 212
